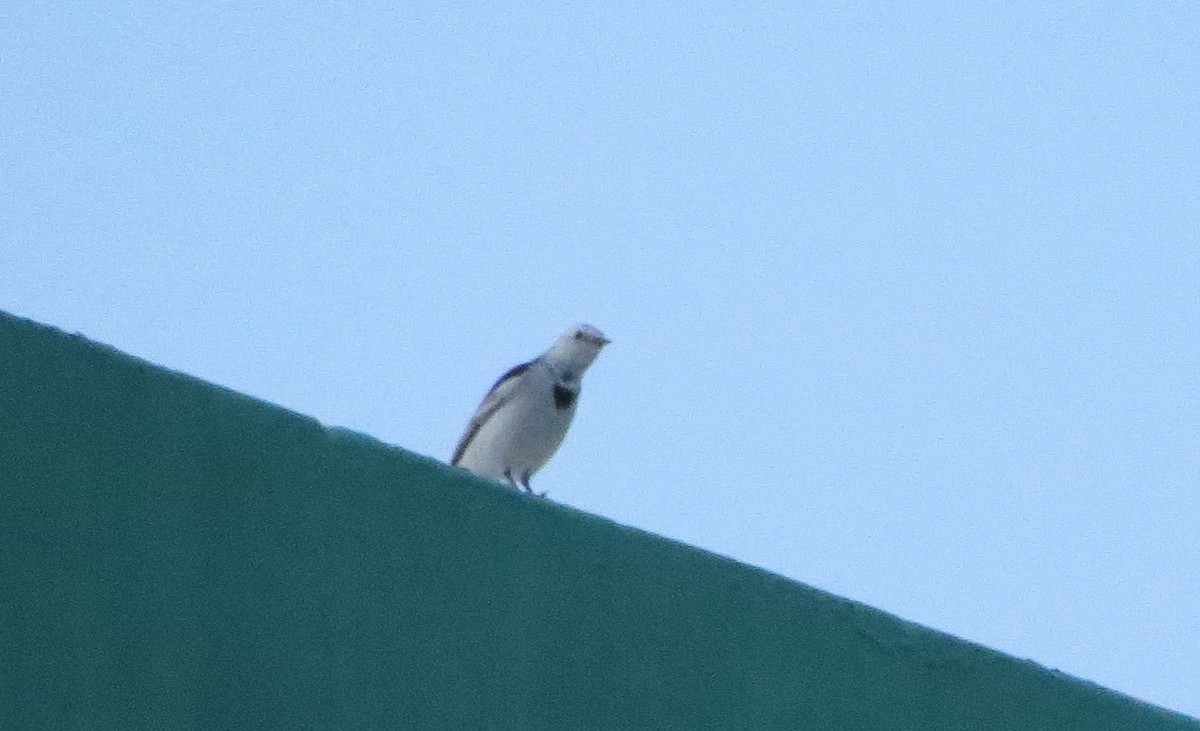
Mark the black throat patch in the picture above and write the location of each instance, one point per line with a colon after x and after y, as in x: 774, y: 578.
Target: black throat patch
x: 564, y: 397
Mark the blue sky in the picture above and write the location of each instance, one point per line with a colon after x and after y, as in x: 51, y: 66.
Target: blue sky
x: 904, y: 297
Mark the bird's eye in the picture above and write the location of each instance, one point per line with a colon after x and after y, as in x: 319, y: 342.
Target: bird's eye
x: 579, y: 335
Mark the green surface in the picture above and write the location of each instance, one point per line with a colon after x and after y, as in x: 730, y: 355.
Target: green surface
x: 175, y: 555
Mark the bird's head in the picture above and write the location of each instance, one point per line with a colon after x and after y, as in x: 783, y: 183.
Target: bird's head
x: 578, y: 347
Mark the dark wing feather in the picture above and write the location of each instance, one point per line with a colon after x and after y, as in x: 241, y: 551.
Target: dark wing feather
x: 510, y: 374
x: 496, y: 397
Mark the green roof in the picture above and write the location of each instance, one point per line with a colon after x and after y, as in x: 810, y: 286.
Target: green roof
x: 177, y: 555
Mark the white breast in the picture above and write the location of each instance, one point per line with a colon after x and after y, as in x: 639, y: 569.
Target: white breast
x: 523, y: 434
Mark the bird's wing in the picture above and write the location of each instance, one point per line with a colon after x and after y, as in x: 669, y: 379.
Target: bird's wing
x: 499, y: 395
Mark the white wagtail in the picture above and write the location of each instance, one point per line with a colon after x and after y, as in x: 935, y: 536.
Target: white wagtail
x: 525, y: 416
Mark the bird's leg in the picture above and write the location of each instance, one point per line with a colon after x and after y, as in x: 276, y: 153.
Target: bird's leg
x: 525, y: 483
x: 508, y: 476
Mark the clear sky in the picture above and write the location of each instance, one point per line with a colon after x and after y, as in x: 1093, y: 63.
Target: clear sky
x: 904, y: 296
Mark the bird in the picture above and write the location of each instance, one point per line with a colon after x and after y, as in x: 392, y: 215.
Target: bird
x: 522, y: 420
